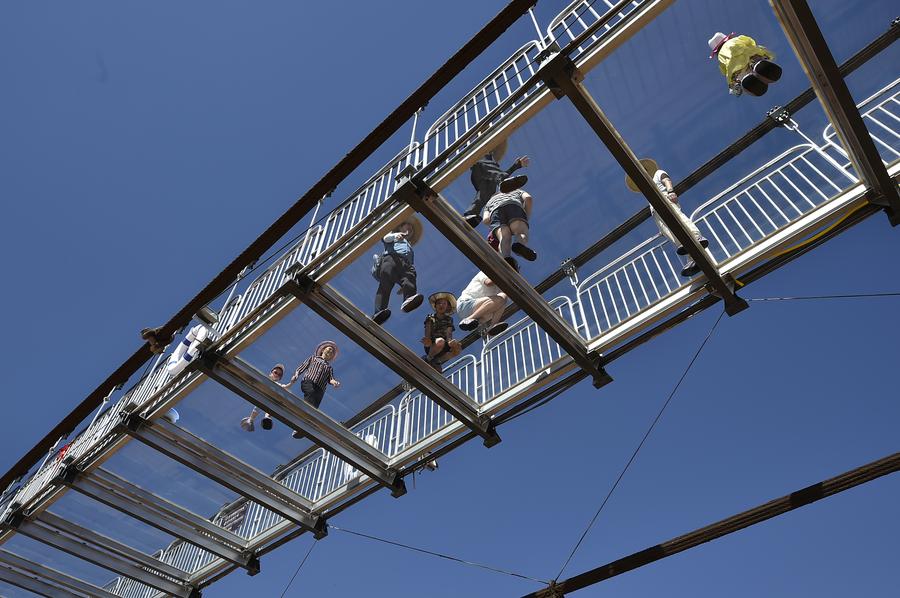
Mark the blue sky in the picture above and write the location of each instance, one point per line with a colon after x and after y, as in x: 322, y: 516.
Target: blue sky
x: 145, y: 146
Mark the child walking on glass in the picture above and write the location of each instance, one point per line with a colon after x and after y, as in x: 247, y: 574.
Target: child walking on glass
x: 317, y: 372
x: 438, y: 341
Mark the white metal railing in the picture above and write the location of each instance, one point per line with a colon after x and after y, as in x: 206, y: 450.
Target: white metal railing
x: 581, y: 14
x: 881, y: 113
x: 471, y: 110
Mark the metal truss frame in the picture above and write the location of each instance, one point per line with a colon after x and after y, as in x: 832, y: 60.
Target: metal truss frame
x: 815, y: 56
x: 227, y: 470
x: 45, y: 581
x: 346, y: 317
x: 105, y: 552
x: 247, y: 382
x: 120, y: 494
x: 450, y: 224
x: 564, y: 79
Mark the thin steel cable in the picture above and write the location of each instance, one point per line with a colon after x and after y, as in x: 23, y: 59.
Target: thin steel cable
x: 640, y: 444
x: 440, y: 555
x: 300, y: 566
x: 809, y: 297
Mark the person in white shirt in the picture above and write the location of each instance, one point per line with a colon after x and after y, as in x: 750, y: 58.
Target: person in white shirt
x: 664, y: 184
x: 482, y: 303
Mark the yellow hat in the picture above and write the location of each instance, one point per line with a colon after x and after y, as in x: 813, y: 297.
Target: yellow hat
x: 650, y: 166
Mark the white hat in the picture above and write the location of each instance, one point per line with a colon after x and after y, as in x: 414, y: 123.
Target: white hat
x: 716, y: 40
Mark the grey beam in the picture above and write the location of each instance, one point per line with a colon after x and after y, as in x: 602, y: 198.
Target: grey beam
x: 106, y: 553
x: 34, y: 584
x: 564, y: 78
x: 227, y: 470
x: 122, y: 495
x: 247, y: 382
x: 344, y: 316
x: 58, y: 583
x: 450, y: 224
x: 815, y: 56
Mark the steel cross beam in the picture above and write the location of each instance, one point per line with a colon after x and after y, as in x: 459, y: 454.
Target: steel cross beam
x: 564, y: 79
x: 812, y: 51
x: 244, y: 380
x: 227, y: 470
x: 107, y: 553
x: 450, y: 224
x: 41, y: 580
x: 120, y: 494
x: 343, y: 315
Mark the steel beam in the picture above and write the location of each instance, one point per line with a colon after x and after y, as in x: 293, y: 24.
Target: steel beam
x: 34, y: 584
x: 247, y: 382
x: 450, y: 224
x: 812, y: 51
x: 107, y: 553
x: 564, y: 78
x: 58, y: 583
x: 227, y: 470
x: 343, y: 315
x: 120, y: 494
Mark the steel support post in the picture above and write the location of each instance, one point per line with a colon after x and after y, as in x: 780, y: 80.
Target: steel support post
x: 245, y: 381
x: 107, y: 553
x: 227, y: 470
x: 450, y: 224
x: 57, y: 582
x: 564, y: 79
x: 814, y: 55
x: 122, y: 495
x: 353, y: 323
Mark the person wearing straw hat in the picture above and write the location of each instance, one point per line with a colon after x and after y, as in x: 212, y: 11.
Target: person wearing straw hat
x: 747, y: 66
x: 317, y: 373
x: 487, y: 177
x: 396, y: 267
x: 275, y: 375
x: 438, y: 340
x: 664, y: 184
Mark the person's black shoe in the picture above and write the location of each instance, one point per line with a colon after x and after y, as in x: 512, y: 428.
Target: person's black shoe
x: 690, y: 269
x: 754, y: 85
x: 512, y: 262
x: 266, y: 423
x: 473, y: 219
x: 381, y: 317
x: 297, y: 434
x: 512, y: 183
x: 497, y: 328
x: 767, y: 71
x: 412, y: 303
x: 704, y: 243
x: 468, y: 325
x: 525, y: 251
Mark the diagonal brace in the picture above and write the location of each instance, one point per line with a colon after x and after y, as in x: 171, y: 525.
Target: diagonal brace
x: 344, y: 316
x: 227, y: 470
x: 815, y: 56
x: 564, y: 78
x: 244, y: 380
x: 120, y: 494
x: 450, y: 224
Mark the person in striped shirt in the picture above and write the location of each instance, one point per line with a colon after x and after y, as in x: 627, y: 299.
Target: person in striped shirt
x: 317, y: 373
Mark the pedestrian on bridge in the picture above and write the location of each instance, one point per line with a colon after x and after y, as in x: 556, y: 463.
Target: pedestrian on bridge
x: 487, y: 177
x: 666, y: 188
x: 317, y: 373
x: 481, y: 304
x: 746, y: 65
x: 507, y: 216
x: 438, y: 340
x: 395, y: 267
x: 275, y: 375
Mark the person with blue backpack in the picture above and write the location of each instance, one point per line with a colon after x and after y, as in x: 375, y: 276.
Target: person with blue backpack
x: 395, y: 267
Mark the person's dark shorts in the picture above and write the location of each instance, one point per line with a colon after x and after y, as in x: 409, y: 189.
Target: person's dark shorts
x: 506, y: 214
x: 312, y: 394
x: 446, y: 348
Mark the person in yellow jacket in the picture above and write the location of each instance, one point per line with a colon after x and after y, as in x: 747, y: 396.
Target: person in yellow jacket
x: 746, y: 65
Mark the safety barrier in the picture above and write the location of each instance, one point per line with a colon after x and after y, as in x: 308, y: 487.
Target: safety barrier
x: 581, y: 14
x: 881, y: 113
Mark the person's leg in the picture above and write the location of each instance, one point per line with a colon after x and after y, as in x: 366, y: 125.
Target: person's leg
x: 486, y: 188
x: 386, y: 279
x: 312, y: 396
x: 438, y: 346
x: 519, y: 229
x: 484, y: 307
x: 504, y: 236
x: 407, y: 280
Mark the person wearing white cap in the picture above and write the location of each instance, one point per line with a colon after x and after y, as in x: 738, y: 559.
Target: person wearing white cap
x: 395, y: 266
x: 664, y: 184
x: 746, y: 65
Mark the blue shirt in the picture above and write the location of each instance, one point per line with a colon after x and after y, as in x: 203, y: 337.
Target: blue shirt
x: 394, y: 244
